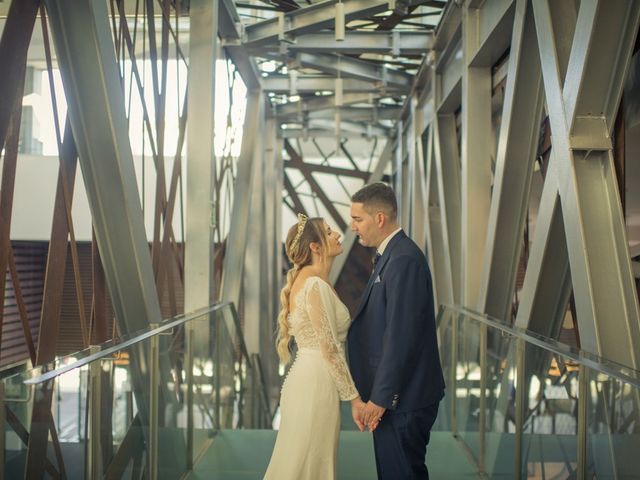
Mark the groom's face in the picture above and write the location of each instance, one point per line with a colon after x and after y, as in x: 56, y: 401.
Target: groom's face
x: 364, y: 225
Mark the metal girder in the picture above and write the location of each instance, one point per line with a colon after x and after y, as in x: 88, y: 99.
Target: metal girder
x: 319, y: 103
x: 313, y: 167
x: 199, y: 255
x: 318, y: 83
x: 603, y: 284
x: 296, y: 160
x: 348, y: 67
x: 246, y: 66
x: 237, y: 237
x: 313, y: 18
x: 519, y: 132
x: 326, y: 127
x: 495, y: 24
x: 318, y: 133
x: 362, y: 113
x: 86, y: 59
x: 349, y: 236
x: 297, y: 203
x: 547, y: 284
x: 253, y: 277
x: 476, y: 153
x: 357, y: 43
x: 435, y: 228
x: 230, y: 26
x: 420, y: 201
x: 229, y: 22
x: 447, y: 174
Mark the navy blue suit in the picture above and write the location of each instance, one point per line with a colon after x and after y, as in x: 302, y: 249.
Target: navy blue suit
x: 394, y: 360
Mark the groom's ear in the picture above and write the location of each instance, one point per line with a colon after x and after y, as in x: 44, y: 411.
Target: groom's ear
x: 381, y: 219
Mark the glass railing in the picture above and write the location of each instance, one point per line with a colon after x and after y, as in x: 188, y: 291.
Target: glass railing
x: 575, y: 416
x: 146, y: 405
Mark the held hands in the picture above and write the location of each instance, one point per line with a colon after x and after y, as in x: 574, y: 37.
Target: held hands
x: 366, y: 415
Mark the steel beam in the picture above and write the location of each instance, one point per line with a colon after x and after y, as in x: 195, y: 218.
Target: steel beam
x: 281, y: 84
x: 319, y: 103
x: 348, y: 67
x: 199, y: 254
x: 330, y: 170
x: 495, y: 25
x: 313, y: 18
x: 326, y: 128
x: 86, y: 59
x: 604, y: 288
x: 361, y: 113
x: 517, y: 145
x: 237, y: 237
x: 436, y: 229
x: 446, y: 158
x: 476, y: 156
x: 291, y: 191
x: 328, y: 132
x: 357, y: 43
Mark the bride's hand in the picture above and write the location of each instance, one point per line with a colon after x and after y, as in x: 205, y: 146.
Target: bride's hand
x: 357, y: 407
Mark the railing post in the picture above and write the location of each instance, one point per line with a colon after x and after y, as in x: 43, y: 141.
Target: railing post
x: 583, y: 384
x: 93, y: 465
x: 2, y: 431
x: 154, y: 363
x: 189, y: 394
x: 520, y: 399
x: 218, y: 372
x: 483, y: 394
x: 453, y: 379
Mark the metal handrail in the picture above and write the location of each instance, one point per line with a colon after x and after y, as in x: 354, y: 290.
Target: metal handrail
x: 594, y: 362
x: 108, y: 351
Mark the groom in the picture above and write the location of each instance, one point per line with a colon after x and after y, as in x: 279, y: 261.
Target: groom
x: 393, y: 349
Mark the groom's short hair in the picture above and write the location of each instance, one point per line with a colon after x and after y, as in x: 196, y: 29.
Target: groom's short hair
x: 377, y: 197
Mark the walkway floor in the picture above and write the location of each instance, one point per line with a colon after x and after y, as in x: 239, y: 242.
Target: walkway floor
x: 244, y: 455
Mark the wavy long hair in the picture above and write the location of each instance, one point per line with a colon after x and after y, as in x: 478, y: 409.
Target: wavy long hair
x: 300, y: 256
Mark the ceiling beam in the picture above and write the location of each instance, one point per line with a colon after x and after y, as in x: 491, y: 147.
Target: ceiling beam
x: 329, y: 169
x: 353, y: 68
x: 319, y: 83
x: 390, y: 43
x: 319, y: 103
x: 313, y: 18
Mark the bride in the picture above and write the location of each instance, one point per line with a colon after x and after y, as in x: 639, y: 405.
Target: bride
x: 307, y: 442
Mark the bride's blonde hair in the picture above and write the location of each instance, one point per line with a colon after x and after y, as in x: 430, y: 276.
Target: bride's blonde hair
x: 297, y: 246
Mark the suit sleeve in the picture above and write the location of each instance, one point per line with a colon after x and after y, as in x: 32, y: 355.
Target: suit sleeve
x: 406, y: 307
x: 320, y: 310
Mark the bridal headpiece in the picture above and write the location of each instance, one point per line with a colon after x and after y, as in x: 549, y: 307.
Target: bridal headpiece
x: 302, y: 221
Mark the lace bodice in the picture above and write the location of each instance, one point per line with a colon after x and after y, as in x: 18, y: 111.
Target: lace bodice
x: 321, y: 321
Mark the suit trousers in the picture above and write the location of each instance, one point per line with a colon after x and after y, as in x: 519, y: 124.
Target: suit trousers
x: 400, y: 443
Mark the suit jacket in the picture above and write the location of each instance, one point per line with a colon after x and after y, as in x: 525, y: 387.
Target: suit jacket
x: 392, y: 343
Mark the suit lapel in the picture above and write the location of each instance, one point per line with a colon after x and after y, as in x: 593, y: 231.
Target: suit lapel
x: 376, y: 271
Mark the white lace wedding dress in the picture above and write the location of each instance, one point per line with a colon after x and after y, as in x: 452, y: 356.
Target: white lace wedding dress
x: 307, y: 443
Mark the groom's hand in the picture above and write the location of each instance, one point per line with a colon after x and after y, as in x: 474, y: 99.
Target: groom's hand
x: 357, y: 408
x: 372, y: 415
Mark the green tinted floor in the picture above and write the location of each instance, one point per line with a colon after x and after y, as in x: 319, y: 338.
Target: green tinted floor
x: 244, y: 455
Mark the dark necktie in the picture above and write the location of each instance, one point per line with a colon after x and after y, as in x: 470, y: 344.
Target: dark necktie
x: 375, y: 260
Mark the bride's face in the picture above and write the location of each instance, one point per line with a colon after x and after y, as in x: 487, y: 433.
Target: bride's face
x: 333, y: 241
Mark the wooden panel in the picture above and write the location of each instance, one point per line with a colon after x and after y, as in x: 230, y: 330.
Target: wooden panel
x: 30, y: 262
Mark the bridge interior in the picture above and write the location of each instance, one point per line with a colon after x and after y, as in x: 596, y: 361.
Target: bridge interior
x: 154, y: 153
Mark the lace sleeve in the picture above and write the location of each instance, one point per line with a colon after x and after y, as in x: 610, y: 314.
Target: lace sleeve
x: 321, y: 315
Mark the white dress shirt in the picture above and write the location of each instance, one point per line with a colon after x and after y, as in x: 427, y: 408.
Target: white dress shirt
x: 386, y: 241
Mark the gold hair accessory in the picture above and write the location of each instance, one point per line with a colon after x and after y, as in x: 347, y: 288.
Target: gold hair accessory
x: 302, y: 221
